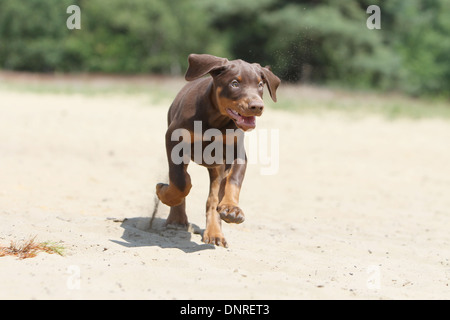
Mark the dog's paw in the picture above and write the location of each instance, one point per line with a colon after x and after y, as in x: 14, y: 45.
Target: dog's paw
x: 160, y: 189
x: 169, y: 195
x: 231, y: 213
x: 215, y: 238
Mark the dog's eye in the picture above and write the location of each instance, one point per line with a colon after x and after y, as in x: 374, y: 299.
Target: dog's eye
x: 234, y: 84
x: 261, y: 85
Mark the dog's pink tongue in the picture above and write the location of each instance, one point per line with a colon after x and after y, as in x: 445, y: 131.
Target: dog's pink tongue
x: 246, y: 123
x: 251, y: 121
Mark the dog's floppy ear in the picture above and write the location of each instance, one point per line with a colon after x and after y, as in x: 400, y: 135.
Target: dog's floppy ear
x: 201, y: 64
x: 271, y: 80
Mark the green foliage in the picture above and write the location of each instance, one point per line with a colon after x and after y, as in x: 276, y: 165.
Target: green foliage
x: 420, y: 36
x: 139, y: 35
x: 309, y: 41
x: 328, y: 42
x: 116, y: 36
x: 30, y: 36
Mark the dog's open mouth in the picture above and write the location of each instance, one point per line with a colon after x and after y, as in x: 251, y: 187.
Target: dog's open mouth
x: 243, y: 122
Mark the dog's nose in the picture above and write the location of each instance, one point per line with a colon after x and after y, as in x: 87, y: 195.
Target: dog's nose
x: 256, y: 106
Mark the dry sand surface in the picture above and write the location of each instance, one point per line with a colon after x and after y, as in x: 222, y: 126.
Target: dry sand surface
x: 359, y: 208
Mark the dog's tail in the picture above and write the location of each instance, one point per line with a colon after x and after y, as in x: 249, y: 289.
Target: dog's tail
x: 155, y: 210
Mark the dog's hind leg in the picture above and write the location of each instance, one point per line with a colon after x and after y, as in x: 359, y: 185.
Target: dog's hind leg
x: 177, y: 215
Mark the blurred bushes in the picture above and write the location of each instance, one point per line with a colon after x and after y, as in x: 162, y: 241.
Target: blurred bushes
x: 117, y: 36
x: 316, y: 41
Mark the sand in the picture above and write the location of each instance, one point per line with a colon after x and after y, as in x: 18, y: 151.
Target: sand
x: 358, y: 208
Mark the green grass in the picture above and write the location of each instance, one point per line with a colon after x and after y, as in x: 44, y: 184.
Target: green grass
x: 294, y: 98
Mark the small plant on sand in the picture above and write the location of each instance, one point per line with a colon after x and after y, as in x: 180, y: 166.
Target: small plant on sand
x: 30, y: 248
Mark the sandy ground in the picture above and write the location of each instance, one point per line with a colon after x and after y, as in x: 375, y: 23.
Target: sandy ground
x: 358, y: 209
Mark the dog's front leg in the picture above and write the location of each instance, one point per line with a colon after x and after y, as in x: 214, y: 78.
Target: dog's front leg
x: 213, y: 232
x: 230, y: 188
x: 173, y: 194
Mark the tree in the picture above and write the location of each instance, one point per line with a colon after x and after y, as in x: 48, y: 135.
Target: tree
x: 31, y: 35
x: 315, y: 41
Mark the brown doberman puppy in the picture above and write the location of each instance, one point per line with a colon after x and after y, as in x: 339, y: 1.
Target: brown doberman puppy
x: 229, y: 103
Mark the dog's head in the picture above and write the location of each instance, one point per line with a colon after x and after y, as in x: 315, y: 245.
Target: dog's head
x: 238, y: 86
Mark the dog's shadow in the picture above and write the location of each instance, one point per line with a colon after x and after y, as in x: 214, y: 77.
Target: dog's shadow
x: 138, y: 233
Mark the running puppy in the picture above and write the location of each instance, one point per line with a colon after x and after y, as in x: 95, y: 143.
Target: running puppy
x: 230, y: 99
